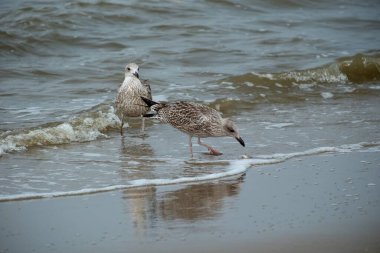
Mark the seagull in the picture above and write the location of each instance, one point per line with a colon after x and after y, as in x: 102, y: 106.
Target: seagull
x: 128, y: 101
x: 196, y: 120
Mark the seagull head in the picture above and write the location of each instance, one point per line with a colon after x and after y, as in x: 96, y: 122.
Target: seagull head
x: 132, y: 69
x: 231, y: 130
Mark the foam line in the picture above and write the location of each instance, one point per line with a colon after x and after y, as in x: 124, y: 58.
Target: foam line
x: 235, y: 168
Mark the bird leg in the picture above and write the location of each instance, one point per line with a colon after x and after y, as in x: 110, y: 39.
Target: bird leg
x: 212, y: 150
x: 142, y: 124
x: 121, y: 127
x: 190, y: 146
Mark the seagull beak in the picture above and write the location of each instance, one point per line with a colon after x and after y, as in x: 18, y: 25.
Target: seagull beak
x: 136, y: 74
x: 240, y: 140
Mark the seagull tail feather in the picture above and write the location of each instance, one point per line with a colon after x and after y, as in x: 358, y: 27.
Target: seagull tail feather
x: 148, y: 102
x: 150, y: 115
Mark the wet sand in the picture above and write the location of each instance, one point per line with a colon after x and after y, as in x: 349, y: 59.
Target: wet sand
x: 322, y: 203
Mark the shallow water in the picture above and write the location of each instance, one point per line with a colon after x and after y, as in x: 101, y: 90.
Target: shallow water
x: 299, y: 78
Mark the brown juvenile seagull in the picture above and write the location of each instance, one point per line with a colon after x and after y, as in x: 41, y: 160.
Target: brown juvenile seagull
x: 128, y: 101
x: 194, y: 119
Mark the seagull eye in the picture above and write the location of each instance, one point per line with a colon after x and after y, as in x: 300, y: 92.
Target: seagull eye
x: 128, y: 68
x: 231, y: 130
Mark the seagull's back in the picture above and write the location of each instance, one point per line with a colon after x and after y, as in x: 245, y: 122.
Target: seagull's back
x: 192, y: 118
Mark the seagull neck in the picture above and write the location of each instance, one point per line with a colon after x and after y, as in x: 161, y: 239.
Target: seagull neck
x: 128, y: 79
x: 224, y: 121
x: 128, y: 75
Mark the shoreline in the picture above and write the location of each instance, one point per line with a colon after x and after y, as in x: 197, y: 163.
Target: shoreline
x: 235, y: 169
x: 321, y: 203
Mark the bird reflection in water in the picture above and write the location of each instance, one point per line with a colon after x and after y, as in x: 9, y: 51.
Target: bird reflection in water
x: 146, y: 206
x: 198, y: 201
x: 149, y: 205
x: 134, y: 154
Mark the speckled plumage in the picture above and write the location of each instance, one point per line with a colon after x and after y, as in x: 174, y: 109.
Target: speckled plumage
x: 194, y: 119
x: 128, y: 101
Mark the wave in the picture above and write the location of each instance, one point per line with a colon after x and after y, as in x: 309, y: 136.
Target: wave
x: 87, y: 126
x: 354, y: 76
x: 236, y: 168
x: 284, y: 87
x: 357, y: 69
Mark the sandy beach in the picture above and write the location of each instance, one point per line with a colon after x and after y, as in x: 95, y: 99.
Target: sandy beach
x: 321, y: 203
x: 301, y: 80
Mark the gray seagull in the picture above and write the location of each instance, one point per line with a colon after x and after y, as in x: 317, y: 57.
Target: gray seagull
x: 128, y: 101
x: 196, y: 120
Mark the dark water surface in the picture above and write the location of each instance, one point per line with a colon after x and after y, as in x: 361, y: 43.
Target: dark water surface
x: 299, y: 78
x: 60, y: 58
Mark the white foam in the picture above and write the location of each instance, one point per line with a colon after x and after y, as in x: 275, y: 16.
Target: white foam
x: 8, y: 146
x: 268, y: 76
x: 279, y: 125
x: 306, y: 86
x: 87, y: 126
x: 374, y: 87
x: 235, y: 168
x: 326, y: 74
x: 249, y: 84
x: 327, y: 95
